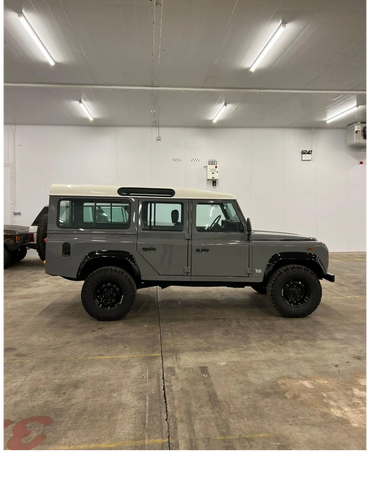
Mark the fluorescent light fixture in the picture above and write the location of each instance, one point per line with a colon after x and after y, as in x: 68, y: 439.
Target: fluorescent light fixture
x: 219, y: 112
x: 342, y: 113
x: 35, y: 37
x: 268, y: 46
x: 87, y: 112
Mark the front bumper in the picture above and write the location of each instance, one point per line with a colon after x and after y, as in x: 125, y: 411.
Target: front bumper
x: 329, y: 277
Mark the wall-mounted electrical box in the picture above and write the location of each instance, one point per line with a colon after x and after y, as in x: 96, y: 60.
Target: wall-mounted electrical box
x: 212, y: 171
x: 356, y: 134
x: 306, y: 155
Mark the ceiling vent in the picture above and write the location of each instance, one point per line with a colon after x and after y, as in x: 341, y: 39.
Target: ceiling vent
x: 356, y: 134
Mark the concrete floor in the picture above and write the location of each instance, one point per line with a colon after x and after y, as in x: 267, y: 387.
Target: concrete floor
x: 236, y: 374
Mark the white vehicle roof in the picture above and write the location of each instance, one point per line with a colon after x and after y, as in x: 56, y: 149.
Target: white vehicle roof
x: 112, y: 191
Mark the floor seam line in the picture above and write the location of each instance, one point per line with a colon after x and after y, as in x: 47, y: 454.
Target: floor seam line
x: 162, y: 364
x: 25, y: 378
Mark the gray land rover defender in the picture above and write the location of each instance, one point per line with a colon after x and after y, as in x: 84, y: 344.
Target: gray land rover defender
x: 120, y: 239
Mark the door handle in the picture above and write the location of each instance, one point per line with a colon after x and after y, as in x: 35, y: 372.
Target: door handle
x: 202, y: 250
x: 148, y: 249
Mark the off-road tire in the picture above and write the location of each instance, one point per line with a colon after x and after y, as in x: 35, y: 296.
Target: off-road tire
x: 42, y: 232
x: 113, y: 276
x: 294, y: 274
x: 19, y: 254
x: 7, y: 258
x: 260, y: 289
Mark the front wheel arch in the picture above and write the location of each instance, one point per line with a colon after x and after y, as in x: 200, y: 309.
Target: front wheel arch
x: 309, y: 260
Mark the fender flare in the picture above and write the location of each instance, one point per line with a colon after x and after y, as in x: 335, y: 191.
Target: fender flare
x: 301, y: 257
x: 112, y: 254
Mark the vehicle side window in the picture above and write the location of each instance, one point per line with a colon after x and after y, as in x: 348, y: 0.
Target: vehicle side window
x: 162, y: 216
x: 77, y: 213
x: 219, y: 217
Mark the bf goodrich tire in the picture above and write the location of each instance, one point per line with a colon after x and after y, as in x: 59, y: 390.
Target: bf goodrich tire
x: 260, y: 289
x: 19, y: 254
x: 42, y: 232
x: 108, y: 293
x: 295, y: 291
x: 7, y: 258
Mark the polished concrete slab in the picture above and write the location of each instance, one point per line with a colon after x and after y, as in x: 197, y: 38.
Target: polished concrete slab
x: 236, y: 374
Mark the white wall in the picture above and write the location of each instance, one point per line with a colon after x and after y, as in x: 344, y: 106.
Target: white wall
x: 262, y: 167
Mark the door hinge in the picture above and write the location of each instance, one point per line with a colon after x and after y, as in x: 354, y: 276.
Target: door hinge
x: 248, y: 270
x: 186, y: 270
x: 187, y: 236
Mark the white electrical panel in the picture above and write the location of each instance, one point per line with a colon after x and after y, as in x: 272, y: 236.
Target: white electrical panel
x: 306, y: 155
x: 212, y: 170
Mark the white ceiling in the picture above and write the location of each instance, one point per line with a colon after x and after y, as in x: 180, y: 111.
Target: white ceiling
x: 194, y: 43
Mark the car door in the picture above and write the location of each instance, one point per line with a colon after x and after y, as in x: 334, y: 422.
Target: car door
x: 163, y: 237
x: 219, y: 242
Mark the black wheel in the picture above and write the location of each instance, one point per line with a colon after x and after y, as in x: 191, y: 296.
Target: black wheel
x: 7, y: 258
x: 19, y: 254
x: 108, y: 293
x: 295, y: 291
x: 260, y: 289
x: 42, y: 232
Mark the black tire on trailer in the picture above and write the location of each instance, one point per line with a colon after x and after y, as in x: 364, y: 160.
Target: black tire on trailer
x: 295, y: 291
x: 42, y: 232
x: 108, y: 293
x: 7, y: 258
x: 19, y: 254
x: 260, y: 289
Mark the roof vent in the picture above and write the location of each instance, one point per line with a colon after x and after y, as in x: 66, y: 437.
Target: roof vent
x: 151, y: 192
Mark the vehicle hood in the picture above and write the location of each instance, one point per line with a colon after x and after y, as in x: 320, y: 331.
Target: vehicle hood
x: 258, y: 235
x: 15, y: 230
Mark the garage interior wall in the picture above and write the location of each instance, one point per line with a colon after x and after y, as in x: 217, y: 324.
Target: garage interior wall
x: 324, y: 198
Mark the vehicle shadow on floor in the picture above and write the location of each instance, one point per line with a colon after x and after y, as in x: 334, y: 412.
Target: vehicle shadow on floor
x: 146, y: 303
x: 28, y: 263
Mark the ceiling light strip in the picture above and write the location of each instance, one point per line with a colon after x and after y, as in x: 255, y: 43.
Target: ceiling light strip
x: 342, y: 113
x: 36, y: 38
x: 87, y: 112
x: 279, y: 31
x: 219, y: 112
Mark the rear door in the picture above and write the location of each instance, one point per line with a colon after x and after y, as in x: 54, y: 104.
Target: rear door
x: 163, y: 236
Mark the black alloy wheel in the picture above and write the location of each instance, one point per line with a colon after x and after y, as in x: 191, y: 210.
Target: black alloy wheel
x: 108, y: 295
x: 296, y: 293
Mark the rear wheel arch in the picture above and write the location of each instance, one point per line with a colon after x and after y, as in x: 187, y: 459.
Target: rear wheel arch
x: 96, y: 260
x: 309, y: 260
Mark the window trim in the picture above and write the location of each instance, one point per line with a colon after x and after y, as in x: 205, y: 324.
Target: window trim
x: 218, y: 202
x: 177, y: 202
x: 94, y: 200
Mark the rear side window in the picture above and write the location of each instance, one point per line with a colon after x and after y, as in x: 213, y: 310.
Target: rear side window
x: 88, y: 214
x: 162, y: 216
